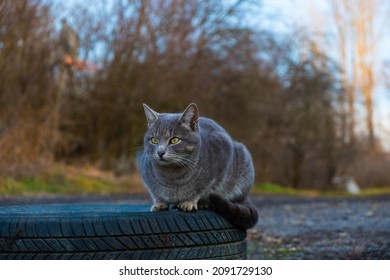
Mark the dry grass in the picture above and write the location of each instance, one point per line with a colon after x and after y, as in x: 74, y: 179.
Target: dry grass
x: 270, y: 188
x: 63, y: 179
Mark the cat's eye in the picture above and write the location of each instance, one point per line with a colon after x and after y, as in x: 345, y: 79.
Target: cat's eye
x: 174, y: 140
x: 154, y: 140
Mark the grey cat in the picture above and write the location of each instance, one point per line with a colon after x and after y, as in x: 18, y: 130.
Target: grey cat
x: 191, y: 162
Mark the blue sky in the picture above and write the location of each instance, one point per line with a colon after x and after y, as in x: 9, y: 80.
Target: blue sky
x: 313, y: 15
x: 281, y: 16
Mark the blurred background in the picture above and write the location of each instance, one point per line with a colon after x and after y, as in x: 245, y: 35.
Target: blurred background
x: 304, y: 84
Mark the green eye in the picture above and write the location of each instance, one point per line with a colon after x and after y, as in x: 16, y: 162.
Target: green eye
x: 174, y: 140
x: 154, y: 141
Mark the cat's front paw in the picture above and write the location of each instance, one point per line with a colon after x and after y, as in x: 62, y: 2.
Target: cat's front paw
x: 188, y: 206
x: 159, y: 206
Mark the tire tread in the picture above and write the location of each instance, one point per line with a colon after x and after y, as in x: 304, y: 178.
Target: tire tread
x: 167, y: 235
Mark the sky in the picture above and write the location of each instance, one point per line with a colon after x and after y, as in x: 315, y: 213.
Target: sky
x: 280, y: 16
x: 285, y: 14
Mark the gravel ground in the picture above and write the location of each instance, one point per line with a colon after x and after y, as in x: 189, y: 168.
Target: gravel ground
x: 321, y: 228
x: 293, y: 227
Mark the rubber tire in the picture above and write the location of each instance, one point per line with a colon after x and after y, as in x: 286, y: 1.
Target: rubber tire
x: 115, y: 231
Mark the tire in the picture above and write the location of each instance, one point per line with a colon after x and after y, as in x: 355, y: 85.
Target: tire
x: 115, y: 231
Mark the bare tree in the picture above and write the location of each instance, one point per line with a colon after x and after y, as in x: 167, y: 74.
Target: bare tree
x: 355, y: 23
x: 283, y: 97
x: 26, y: 86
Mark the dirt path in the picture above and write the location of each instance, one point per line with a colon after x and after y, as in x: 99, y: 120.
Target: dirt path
x: 293, y: 227
x: 321, y: 228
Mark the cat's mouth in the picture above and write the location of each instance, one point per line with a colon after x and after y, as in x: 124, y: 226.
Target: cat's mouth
x: 163, y: 160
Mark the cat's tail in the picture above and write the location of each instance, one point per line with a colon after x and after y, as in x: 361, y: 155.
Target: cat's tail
x: 241, y: 215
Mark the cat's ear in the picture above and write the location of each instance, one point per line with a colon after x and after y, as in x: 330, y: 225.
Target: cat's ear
x: 151, y: 115
x: 190, y: 116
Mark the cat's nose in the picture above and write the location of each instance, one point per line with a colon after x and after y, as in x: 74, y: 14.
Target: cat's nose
x: 161, y: 153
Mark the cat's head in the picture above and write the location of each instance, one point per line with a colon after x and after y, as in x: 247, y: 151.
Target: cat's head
x: 172, y: 138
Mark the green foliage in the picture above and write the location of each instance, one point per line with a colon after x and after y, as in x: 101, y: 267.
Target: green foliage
x: 275, y: 189
x: 270, y: 188
x: 375, y: 191
x: 274, y: 252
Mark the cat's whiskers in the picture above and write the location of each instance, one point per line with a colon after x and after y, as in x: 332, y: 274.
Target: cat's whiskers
x: 188, y: 159
x: 149, y: 159
x: 188, y: 168
x: 187, y: 163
